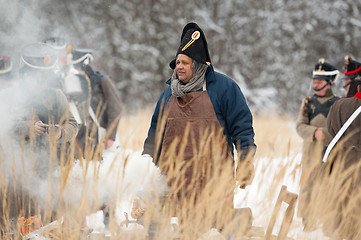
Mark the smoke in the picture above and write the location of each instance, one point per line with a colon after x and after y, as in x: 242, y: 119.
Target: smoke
x: 32, y: 169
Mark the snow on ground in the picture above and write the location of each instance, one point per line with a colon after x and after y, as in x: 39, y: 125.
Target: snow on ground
x: 261, y: 200
x: 260, y: 196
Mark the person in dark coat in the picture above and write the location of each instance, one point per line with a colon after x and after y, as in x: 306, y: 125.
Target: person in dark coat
x: 105, y: 104
x: 197, y: 121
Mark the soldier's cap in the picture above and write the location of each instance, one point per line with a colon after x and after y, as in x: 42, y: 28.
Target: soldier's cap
x: 352, y: 68
x: 38, y: 56
x: 57, y: 43
x: 5, y: 64
x: 193, y: 44
x: 324, y: 70
x: 82, y: 55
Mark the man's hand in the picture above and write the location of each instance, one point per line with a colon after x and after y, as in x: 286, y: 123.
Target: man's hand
x: 319, y: 134
x: 39, y: 128
x: 245, y: 172
x: 108, y: 143
x: 245, y: 166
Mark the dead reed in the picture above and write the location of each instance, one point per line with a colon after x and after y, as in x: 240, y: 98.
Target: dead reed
x: 68, y: 192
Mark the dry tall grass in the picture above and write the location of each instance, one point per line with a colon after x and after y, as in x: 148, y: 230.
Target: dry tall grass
x: 71, y: 192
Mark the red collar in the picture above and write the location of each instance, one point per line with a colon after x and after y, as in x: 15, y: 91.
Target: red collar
x: 358, y: 95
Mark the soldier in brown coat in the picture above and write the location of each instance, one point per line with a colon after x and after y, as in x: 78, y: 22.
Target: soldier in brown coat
x: 311, y: 122
x: 345, y: 159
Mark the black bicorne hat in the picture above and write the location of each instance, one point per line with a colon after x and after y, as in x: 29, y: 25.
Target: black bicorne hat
x: 325, y: 71
x: 193, y: 44
x: 352, y: 68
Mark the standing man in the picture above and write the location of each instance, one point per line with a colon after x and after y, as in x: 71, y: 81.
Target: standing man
x: 105, y: 104
x: 42, y: 128
x: 46, y: 108
x: 198, y: 119
x: 311, y: 122
x: 311, y: 126
x: 346, y: 162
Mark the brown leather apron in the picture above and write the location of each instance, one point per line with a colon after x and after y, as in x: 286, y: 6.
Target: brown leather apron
x: 193, y: 146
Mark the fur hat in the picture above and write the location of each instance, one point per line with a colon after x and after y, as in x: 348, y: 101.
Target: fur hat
x: 193, y: 44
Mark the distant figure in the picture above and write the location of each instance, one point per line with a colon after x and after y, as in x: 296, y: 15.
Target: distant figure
x: 45, y: 109
x: 311, y: 122
x: 77, y: 88
x: 105, y: 104
x: 42, y: 128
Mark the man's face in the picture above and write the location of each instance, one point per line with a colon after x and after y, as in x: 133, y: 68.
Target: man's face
x: 318, y: 84
x: 184, y: 68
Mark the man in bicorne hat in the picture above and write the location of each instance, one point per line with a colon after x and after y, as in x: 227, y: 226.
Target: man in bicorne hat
x: 198, y: 119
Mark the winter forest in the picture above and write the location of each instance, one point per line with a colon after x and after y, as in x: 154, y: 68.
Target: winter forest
x: 268, y: 47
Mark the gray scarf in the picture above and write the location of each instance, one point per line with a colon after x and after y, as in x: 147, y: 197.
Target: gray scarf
x: 195, y: 83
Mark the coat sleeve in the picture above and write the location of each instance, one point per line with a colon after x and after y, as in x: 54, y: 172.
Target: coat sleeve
x: 303, y: 127
x: 69, y: 126
x: 114, y: 105
x: 238, y: 118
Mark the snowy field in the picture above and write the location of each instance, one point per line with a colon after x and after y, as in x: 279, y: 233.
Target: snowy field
x: 272, y: 171
x: 125, y: 173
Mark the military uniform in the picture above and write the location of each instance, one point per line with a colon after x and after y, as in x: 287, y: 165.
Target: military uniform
x: 42, y: 127
x: 345, y: 158
x: 312, y: 118
x: 312, y: 115
x: 104, y: 106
